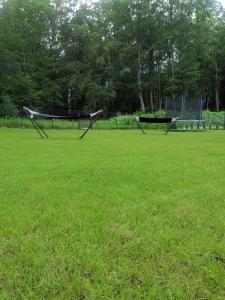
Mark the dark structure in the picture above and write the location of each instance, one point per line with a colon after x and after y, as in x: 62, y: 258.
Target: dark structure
x: 169, y: 121
x: 33, y: 116
x: 178, y: 112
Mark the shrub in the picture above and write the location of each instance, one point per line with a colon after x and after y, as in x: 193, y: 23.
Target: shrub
x: 7, y: 107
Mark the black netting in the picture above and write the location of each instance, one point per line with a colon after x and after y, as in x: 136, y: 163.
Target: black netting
x: 83, y: 123
x: 173, y: 108
x: 185, y: 109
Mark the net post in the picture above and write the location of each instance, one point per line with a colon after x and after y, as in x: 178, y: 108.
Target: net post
x: 32, y: 122
x: 92, y: 121
x: 40, y: 128
x: 138, y: 124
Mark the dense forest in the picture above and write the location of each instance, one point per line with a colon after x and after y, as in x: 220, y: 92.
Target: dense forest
x: 119, y: 55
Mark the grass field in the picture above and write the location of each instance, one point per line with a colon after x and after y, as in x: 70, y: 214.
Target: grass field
x: 118, y: 215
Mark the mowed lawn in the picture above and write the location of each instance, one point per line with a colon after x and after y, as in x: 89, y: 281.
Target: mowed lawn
x: 117, y: 215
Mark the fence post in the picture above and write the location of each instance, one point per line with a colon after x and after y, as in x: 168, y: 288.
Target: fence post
x: 198, y: 125
x: 217, y: 125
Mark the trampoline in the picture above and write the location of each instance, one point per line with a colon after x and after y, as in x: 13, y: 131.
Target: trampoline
x: 178, y: 111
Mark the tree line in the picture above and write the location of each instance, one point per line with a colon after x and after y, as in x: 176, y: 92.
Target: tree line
x: 119, y: 55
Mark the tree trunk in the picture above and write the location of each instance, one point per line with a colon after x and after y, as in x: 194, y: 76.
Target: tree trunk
x: 151, y: 101
x: 172, y: 69
x: 207, y: 105
x: 217, y: 89
x: 142, y: 104
x: 159, y: 86
x: 171, y: 49
x: 69, y: 108
x: 151, y: 68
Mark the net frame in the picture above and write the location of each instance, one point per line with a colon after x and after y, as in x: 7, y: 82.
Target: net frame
x: 33, y: 115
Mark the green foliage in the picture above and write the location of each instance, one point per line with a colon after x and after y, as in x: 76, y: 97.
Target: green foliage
x: 214, y: 118
x: 126, y: 120
x: 116, y: 55
x: 7, y: 107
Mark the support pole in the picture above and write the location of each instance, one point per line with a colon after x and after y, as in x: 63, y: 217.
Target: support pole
x: 172, y: 125
x: 36, y: 127
x: 90, y: 126
x: 138, y: 125
x: 40, y: 128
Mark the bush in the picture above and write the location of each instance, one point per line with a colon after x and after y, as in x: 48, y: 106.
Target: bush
x: 126, y: 120
x: 7, y: 107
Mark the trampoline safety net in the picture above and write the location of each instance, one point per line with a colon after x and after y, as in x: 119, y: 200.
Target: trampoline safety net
x: 184, y: 109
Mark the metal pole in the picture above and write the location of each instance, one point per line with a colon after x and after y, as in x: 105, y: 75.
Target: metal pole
x: 138, y: 125
x: 36, y: 127
x: 40, y: 128
x: 90, y: 125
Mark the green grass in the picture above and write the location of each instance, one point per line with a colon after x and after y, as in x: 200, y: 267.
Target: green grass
x: 118, y: 215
